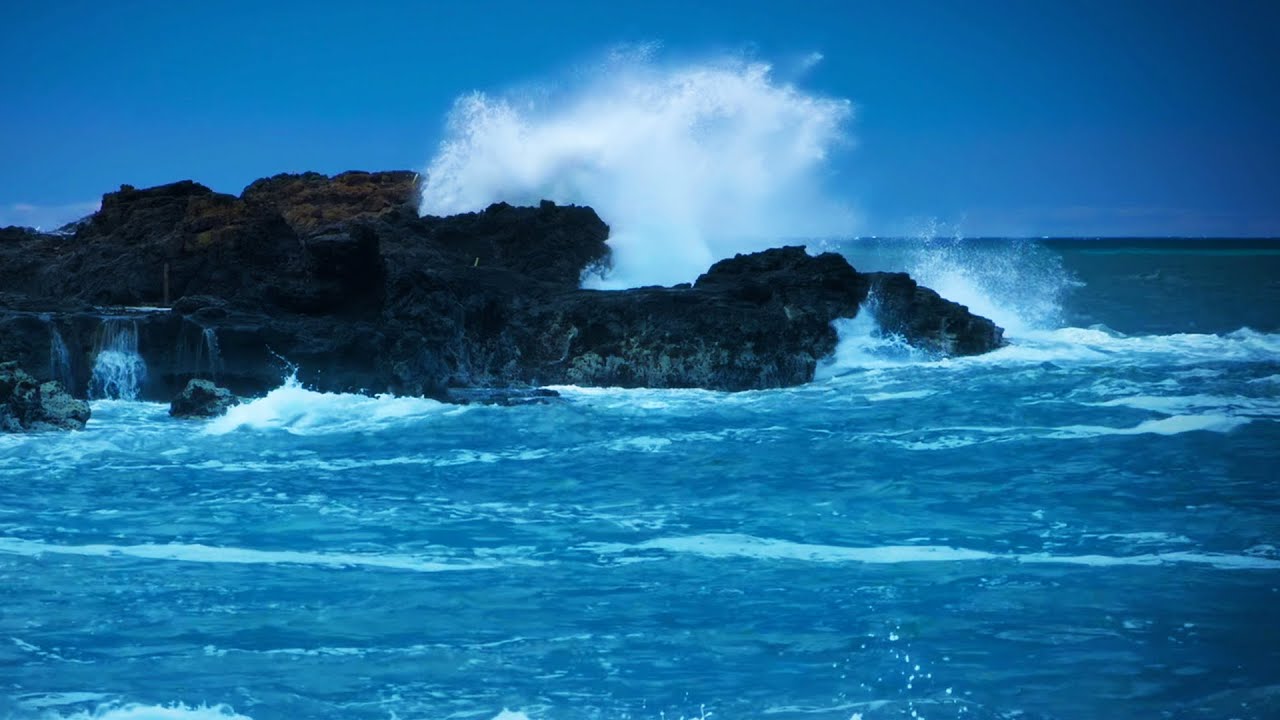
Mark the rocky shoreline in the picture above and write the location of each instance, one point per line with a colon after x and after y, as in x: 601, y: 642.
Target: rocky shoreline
x: 340, y: 278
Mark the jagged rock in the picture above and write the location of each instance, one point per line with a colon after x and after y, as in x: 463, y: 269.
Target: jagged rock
x: 928, y: 320
x: 312, y: 201
x: 30, y: 406
x: 341, y: 277
x: 202, y: 399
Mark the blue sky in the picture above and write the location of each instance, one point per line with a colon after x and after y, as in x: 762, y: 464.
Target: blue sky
x: 1024, y: 118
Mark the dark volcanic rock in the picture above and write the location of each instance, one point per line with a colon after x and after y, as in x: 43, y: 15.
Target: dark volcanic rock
x: 752, y: 321
x: 202, y: 399
x: 340, y: 278
x: 549, y: 243
x: 27, y: 405
x: 927, y: 320
x: 312, y: 201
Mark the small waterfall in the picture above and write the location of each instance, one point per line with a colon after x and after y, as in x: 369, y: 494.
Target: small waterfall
x: 212, y: 352
x: 118, y: 369
x: 60, y: 359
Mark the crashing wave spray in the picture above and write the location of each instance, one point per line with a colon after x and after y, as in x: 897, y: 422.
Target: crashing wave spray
x: 863, y: 345
x: 687, y: 164
x: 118, y: 369
x: 1018, y: 284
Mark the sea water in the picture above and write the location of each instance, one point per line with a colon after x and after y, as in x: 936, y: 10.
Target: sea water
x: 1083, y: 524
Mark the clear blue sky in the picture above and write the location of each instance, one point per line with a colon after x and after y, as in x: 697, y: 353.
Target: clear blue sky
x: 1083, y: 117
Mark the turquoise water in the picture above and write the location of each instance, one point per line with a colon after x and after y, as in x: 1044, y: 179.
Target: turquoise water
x: 1082, y: 525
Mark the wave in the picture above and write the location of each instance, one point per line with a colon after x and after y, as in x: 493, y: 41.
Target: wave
x: 198, y: 553
x: 294, y: 409
x: 180, y: 711
x: 1175, y: 425
x: 139, y: 711
x: 688, y: 163
x: 862, y: 346
x: 1181, y: 404
x: 723, y: 546
x: 1020, y: 287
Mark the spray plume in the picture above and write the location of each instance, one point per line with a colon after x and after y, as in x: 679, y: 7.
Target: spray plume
x: 688, y: 164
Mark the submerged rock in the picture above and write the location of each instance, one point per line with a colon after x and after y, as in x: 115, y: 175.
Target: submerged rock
x: 340, y: 277
x: 27, y: 405
x: 202, y: 399
x: 504, y: 397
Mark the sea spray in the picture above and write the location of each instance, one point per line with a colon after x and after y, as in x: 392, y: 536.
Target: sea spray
x: 1020, y: 284
x: 118, y: 368
x: 687, y: 164
x: 863, y: 345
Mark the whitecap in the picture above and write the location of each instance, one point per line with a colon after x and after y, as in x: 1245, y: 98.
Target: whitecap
x: 724, y: 546
x: 640, y: 444
x: 1181, y: 404
x: 198, y: 553
x: 38, y: 701
x: 296, y: 410
x: 1174, y: 425
x: 139, y: 711
x: 904, y: 395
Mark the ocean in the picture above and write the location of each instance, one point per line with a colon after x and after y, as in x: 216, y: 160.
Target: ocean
x: 1084, y: 524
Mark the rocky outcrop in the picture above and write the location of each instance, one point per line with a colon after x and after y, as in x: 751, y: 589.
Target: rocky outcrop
x: 928, y: 320
x: 202, y: 399
x: 27, y: 405
x: 341, y: 278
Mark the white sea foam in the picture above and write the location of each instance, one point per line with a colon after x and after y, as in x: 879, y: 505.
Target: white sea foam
x: 1179, y: 404
x: 724, y: 546
x: 180, y: 711
x: 688, y: 164
x: 138, y: 711
x: 1174, y: 425
x: 721, y: 546
x: 49, y: 700
x: 450, y: 458
x: 862, y: 346
x: 904, y: 395
x: 510, y: 715
x: 294, y: 409
x: 641, y: 443
x: 198, y: 553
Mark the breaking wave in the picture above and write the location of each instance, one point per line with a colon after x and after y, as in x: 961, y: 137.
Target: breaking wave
x: 726, y: 546
x: 180, y: 711
x: 688, y: 163
x: 294, y: 409
x: 139, y: 711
